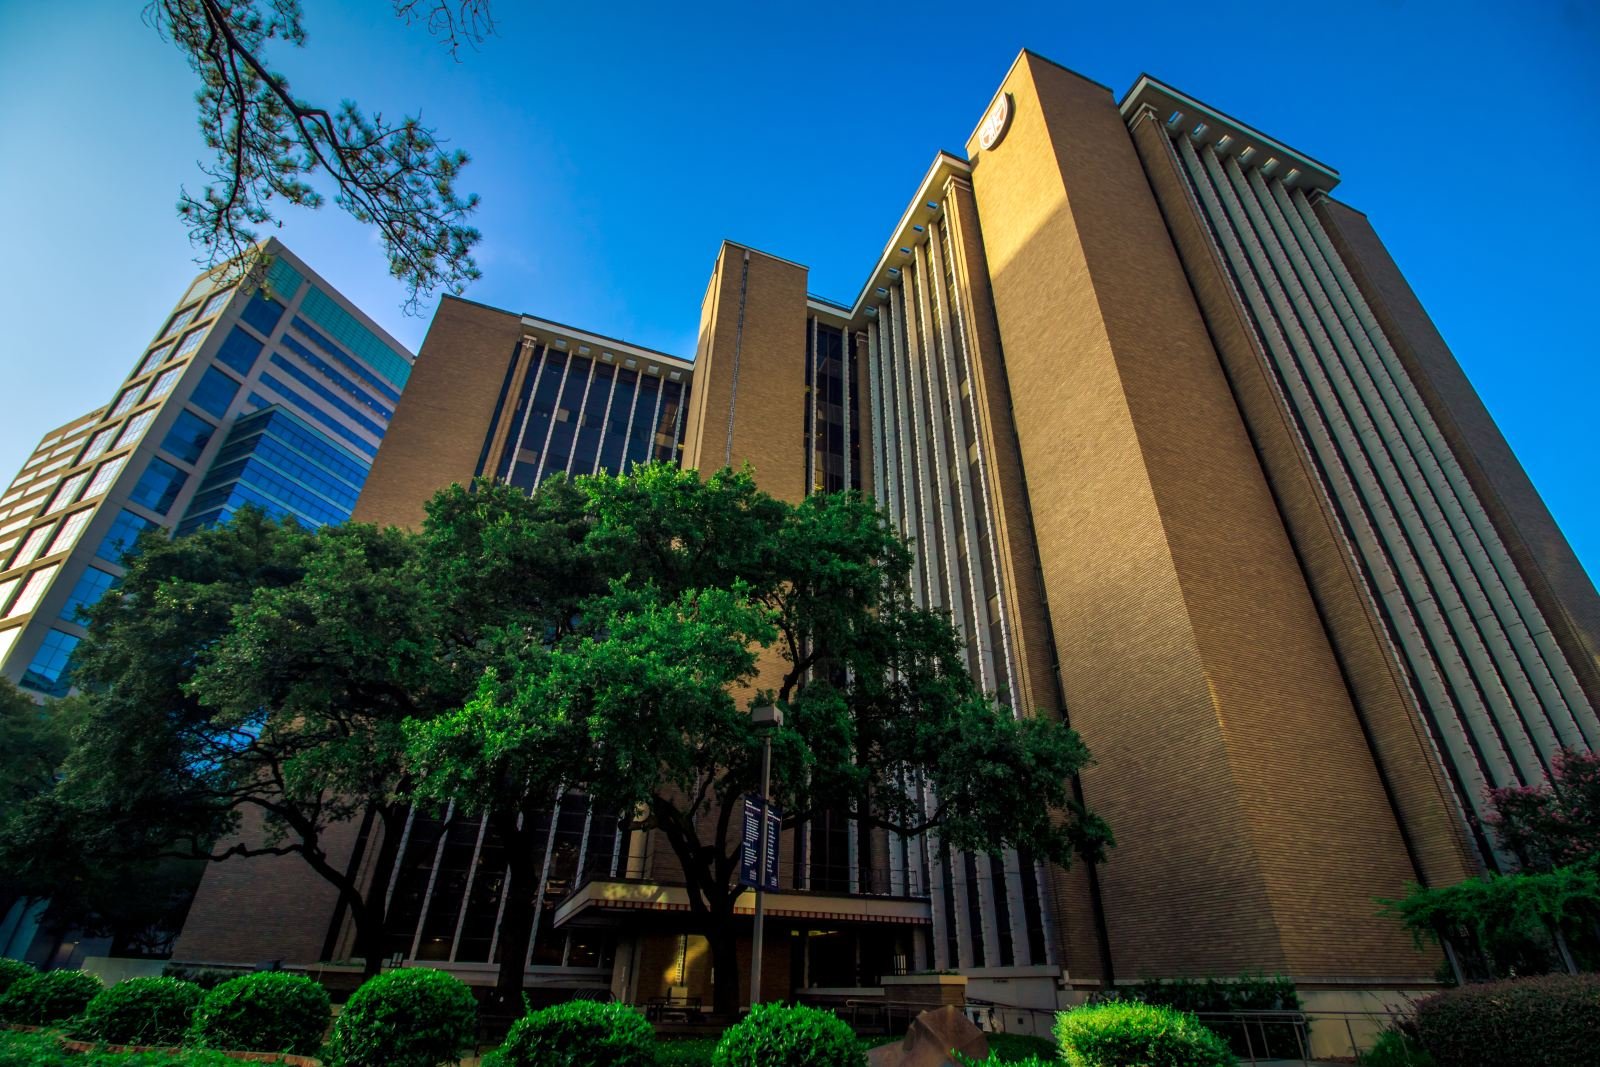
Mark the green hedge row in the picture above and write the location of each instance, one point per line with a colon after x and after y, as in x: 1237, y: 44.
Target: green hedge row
x: 1553, y: 1021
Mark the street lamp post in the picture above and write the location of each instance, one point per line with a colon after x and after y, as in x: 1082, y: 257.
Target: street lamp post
x: 766, y: 719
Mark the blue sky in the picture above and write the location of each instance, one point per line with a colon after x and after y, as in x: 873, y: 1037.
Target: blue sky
x: 615, y: 144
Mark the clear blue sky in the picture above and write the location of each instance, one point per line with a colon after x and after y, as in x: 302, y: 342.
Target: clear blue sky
x: 615, y: 145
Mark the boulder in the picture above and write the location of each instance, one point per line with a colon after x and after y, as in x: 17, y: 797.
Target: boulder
x: 929, y: 1041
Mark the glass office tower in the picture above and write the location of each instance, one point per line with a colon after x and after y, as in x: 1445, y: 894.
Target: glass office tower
x: 274, y: 395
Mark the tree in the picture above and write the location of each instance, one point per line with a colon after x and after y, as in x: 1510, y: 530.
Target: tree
x: 1554, y: 824
x: 317, y: 676
x: 267, y: 143
x: 1546, y: 914
x: 638, y: 699
x: 34, y: 739
x: 251, y: 677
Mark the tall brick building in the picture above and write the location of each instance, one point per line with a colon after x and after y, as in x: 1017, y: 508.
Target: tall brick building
x: 1188, y: 465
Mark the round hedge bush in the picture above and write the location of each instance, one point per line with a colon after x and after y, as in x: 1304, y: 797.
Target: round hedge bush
x: 1553, y: 1021
x: 580, y: 1033
x: 12, y: 972
x: 416, y: 1017
x: 51, y: 997
x: 1123, y: 1032
x: 266, y: 1012
x: 796, y: 1036
x: 141, y: 1011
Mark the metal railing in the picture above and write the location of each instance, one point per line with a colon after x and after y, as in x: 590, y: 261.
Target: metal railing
x: 1257, y: 1037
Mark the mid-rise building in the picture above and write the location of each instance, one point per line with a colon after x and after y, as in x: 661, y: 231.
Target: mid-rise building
x: 1189, y: 467
x: 275, y: 393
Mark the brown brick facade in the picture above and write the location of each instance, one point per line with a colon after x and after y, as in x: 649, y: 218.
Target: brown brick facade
x: 1253, y: 829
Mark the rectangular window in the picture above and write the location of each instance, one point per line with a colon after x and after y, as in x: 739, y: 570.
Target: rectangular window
x: 32, y: 590
x: 7, y: 639
x: 159, y: 486
x: 361, y: 370
x: 239, y: 351
x: 163, y: 385
x: 121, y: 537
x: 135, y: 427
x: 48, y: 672
x: 328, y: 395
x: 104, y: 476
x: 6, y: 588
x: 178, y: 321
x: 191, y: 341
x: 99, y: 444
x: 188, y: 437
x: 70, y: 529
x: 156, y: 357
x: 129, y: 397
x: 90, y: 588
x: 334, y: 376
x: 67, y: 493
x: 214, y: 392
x: 318, y: 413
x: 214, y: 305
x: 263, y: 313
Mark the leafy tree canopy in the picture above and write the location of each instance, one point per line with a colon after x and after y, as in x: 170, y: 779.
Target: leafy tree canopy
x: 683, y: 602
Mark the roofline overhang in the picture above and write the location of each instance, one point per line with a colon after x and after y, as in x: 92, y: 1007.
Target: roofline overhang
x: 585, y: 342
x: 1182, y: 114
x: 927, y: 206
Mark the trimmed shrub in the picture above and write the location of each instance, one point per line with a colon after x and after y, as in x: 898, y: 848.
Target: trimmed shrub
x: 13, y: 971
x: 795, y: 1036
x: 580, y: 1033
x: 1394, y: 1049
x: 51, y: 997
x: 1127, y: 1032
x: 1251, y: 992
x: 416, y: 1017
x: 141, y: 1011
x: 266, y: 1012
x: 1553, y: 1021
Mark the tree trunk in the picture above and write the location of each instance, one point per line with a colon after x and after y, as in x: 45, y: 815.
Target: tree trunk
x: 369, y: 935
x: 377, y: 894
x: 517, y: 921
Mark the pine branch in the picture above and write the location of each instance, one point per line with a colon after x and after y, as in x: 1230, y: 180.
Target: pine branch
x: 398, y: 177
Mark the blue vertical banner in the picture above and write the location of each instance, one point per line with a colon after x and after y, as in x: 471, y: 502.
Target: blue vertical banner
x: 750, y: 842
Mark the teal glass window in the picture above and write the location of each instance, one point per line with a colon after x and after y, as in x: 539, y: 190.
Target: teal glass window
x: 188, y: 437
x: 159, y: 486
x: 239, y: 351
x: 263, y: 313
x: 48, y: 671
x: 214, y: 392
x: 121, y: 537
x: 90, y: 588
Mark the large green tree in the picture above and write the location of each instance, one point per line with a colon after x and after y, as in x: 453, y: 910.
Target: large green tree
x: 244, y: 689
x: 707, y: 597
